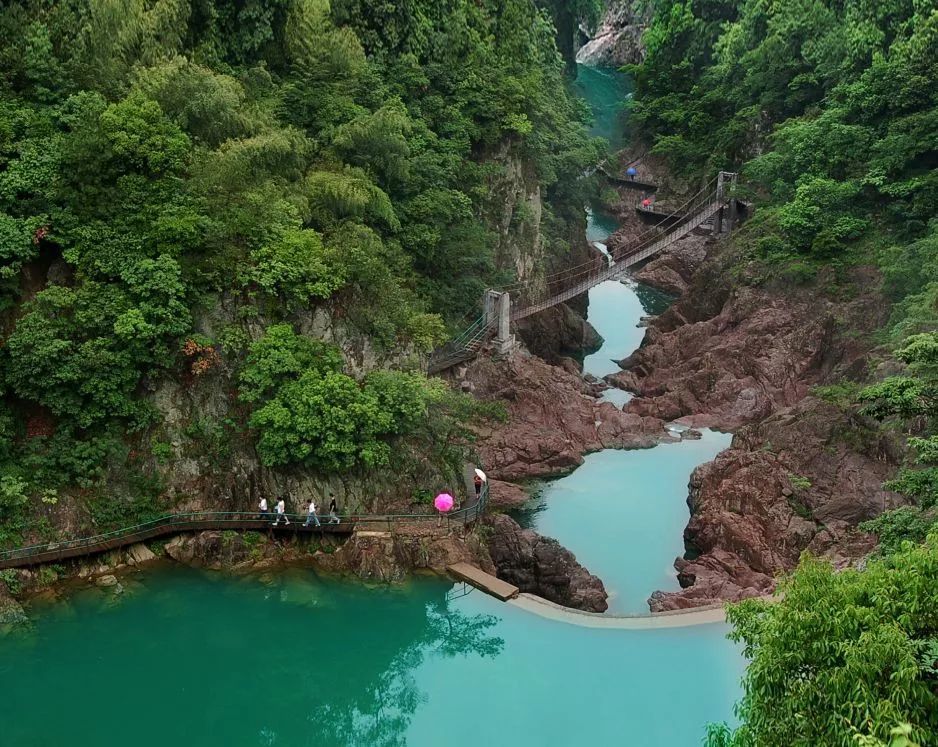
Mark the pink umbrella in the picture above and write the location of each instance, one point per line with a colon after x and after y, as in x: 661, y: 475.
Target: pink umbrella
x: 443, y: 502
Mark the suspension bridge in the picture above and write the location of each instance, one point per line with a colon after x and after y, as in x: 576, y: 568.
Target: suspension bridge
x: 711, y: 205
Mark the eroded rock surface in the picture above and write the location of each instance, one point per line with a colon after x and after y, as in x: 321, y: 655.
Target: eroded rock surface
x: 541, y: 565
x: 801, y: 479
x: 554, y: 418
x: 618, y: 40
x: 391, y: 557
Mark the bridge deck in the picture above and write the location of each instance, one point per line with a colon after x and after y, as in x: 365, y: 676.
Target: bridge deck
x: 483, y: 581
x: 237, y: 521
x: 55, y: 552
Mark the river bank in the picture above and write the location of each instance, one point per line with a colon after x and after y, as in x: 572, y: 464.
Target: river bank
x: 737, y: 351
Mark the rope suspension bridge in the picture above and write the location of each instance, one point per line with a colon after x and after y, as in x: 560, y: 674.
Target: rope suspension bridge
x: 518, y: 301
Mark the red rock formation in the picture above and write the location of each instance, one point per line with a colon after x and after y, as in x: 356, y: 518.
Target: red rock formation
x: 541, y: 565
x: 554, y: 418
x: 801, y: 479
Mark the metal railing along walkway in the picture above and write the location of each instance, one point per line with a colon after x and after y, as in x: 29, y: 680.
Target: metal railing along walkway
x: 673, y: 226
x: 199, y: 521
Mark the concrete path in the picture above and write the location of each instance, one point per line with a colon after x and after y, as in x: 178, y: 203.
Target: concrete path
x: 677, y: 619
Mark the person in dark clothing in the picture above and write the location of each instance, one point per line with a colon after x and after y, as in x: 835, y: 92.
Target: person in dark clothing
x: 477, y: 482
x: 333, y: 510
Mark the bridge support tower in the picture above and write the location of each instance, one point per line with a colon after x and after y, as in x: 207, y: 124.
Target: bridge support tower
x: 498, y: 313
x: 725, y: 179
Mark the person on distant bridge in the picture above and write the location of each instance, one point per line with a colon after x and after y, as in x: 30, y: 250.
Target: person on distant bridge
x: 333, y: 510
x: 311, y: 514
x: 646, y: 203
x: 281, y: 512
x: 262, y: 506
x: 631, y: 172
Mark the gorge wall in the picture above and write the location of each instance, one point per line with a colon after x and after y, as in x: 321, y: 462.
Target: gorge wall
x: 801, y: 473
x: 617, y: 39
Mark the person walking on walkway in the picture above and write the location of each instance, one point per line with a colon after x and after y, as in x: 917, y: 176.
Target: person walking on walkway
x: 311, y: 514
x: 263, y: 509
x: 281, y: 512
x: 477, y: 482
x: 333, y: 510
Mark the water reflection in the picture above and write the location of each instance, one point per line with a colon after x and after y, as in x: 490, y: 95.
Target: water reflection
x: 295, y: 661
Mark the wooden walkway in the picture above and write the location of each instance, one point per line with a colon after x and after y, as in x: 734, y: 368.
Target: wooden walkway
x: 237, y: 521
x: 483, y: 581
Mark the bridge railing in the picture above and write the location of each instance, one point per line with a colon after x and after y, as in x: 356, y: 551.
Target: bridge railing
x: 250, y: 520
x: 571, y: 282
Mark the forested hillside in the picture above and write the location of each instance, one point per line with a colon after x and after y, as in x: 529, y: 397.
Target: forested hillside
x: 830, y: 112
x: 202, y: 201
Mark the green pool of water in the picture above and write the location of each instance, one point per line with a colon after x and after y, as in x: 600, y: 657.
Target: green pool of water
x: 623, y: 514
x: 189, y: 658
x: 605, y: 90
x: 615, y: 310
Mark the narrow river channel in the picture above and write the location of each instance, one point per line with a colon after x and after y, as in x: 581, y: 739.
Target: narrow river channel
x: 622, y: 512
x: 185, y: 657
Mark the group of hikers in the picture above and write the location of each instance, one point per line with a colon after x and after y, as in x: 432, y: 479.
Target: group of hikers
x: 312, y: 512
x: 312, y: 515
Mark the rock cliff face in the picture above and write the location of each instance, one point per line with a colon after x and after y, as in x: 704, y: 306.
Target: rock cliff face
x: 801, y: 473
x: 559, y: 333
x: 540, y: 565
x: 729, y: 354
x: 618, y: 39
x: 554, y: 418
x: 801, y: 479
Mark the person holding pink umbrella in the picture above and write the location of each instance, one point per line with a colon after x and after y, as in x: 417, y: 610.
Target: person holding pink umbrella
x: 443, y: 503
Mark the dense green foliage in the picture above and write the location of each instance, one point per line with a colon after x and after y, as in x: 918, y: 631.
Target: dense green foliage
x: 309, y: 412
x: 164, y: 162
x: 831, y: 112
x: 841, y: 655
x: 912, y: 399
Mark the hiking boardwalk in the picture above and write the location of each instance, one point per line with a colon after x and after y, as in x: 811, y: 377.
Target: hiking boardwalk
x: 483, y: 581
x: 238, y: 521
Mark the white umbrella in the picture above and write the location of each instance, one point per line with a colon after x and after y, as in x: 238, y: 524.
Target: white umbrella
x: 481, y: 474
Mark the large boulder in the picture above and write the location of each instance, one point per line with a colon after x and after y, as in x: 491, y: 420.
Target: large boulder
x: 554, y: 418
x: 541, y: 565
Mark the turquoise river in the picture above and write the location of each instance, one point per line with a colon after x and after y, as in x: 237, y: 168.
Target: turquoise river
x: 293, y: 659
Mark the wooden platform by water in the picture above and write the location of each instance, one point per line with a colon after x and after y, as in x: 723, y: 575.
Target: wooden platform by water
x: 483, y: 581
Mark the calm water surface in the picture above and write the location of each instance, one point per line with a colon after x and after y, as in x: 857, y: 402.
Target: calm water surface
x: 189, y: 658
x: 623, y: 514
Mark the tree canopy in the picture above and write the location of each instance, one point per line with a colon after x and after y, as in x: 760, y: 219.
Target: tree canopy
x: 177, y: 176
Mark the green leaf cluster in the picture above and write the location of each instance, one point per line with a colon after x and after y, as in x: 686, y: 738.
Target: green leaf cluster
x: 841, y: 654
x: 307, y: 411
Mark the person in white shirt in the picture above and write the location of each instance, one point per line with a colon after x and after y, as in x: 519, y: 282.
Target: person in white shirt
x: 281, y: 512
x: 311, y: 514
x: 263, y: 508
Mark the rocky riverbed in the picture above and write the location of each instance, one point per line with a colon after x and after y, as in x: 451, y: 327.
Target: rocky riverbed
x: 736, y: 352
